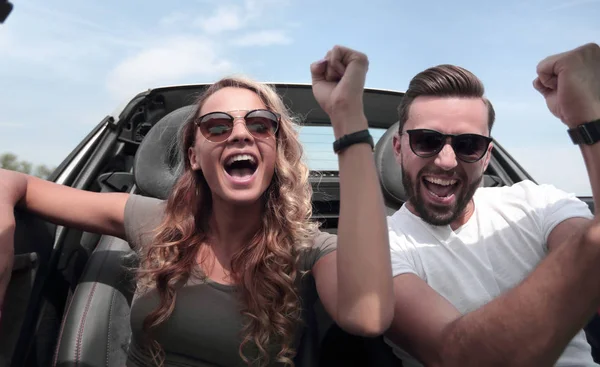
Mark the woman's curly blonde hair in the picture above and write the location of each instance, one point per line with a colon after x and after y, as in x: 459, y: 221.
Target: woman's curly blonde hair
x: 266, y: 270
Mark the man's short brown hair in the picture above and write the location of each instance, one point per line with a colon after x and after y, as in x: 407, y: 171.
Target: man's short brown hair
x: 444, y: 81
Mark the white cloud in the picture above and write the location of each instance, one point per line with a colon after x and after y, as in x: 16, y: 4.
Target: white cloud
x: 176, y: 60
x: 235, y: 17
x: 183, y: 58
x: 263, y: 38
x: 225, y: 18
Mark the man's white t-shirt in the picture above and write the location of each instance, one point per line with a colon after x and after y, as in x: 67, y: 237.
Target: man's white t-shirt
x: 493, y: 252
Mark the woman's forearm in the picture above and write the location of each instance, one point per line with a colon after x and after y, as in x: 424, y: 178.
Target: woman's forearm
x: 365, y: 292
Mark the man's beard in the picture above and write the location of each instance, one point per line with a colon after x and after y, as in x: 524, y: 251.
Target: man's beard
x: 434, y: 214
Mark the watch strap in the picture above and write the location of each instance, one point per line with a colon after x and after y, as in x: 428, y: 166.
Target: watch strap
x: 588, y: 133
x: 362, y: 136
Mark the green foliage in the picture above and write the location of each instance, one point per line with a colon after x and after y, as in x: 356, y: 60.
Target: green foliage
x: 11, y: 162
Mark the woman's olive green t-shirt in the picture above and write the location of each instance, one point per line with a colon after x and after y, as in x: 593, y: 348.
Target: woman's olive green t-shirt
x: 205, y: 326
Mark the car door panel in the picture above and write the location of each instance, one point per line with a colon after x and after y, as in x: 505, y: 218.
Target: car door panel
x: 34, y: 239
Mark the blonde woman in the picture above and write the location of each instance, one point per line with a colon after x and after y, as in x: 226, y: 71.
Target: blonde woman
x: 230, y: 263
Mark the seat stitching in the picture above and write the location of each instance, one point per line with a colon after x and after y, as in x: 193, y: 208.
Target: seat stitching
x: 82, y: 320
x: 62, y: 328
x: 85, y: 311
x: 112, y: 303
x: 82, y: 325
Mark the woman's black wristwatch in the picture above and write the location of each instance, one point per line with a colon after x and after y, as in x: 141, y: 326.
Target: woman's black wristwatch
x: 362, y: 136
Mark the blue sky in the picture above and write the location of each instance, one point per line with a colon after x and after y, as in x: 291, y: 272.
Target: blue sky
x: 66, y: 64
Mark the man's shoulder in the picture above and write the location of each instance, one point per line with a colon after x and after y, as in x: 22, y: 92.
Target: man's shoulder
x: 399, y: 218
x: 406, y: 229
x: 543, y: 201
x: 521, y: 187
x: 526, y: 192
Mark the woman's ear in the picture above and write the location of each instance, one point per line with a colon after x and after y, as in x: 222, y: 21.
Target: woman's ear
x: 194, y: 163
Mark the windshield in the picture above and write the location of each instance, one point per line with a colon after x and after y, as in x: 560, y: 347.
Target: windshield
x: 318, y: 146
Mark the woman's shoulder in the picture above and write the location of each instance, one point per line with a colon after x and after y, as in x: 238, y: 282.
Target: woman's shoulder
x: 321, y: 244
x: 324, y: 240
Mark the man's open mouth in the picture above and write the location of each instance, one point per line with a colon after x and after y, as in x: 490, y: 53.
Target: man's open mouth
x: 241, y: 165
x: 440, y: 187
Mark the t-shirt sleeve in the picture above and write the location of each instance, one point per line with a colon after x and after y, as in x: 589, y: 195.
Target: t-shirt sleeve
x: 323, y: 244
x: 402, y: 252
x: 553, y: 206
x: 142, y: 216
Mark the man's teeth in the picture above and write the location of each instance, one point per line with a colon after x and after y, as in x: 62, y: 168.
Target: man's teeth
x: 440, y: 181
x: 240, y: 157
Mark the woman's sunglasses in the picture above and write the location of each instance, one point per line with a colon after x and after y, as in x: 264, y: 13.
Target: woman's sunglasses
x: 217, y: 126
x: 468, y: 147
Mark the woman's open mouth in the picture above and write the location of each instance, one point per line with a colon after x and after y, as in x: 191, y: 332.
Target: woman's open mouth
x: 241, y: 167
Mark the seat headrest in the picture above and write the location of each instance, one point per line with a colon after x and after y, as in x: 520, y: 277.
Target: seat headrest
x: 390, y: 172
x: 158, y: 162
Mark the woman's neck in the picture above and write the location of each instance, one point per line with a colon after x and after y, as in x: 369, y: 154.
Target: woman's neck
x: 233, y: 226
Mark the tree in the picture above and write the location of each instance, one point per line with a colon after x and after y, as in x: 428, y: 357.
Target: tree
x: 43, y: 171
x: 24, y: 167
x: 11, y: 162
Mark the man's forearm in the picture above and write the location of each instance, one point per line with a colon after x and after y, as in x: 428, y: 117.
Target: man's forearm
x: 531, y: 324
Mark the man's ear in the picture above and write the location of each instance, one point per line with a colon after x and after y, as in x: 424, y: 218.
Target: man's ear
x: 397, y: 143
x: 193, y: 159
x: 488, y: 156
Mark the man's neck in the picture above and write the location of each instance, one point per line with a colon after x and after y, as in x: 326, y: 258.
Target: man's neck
x: 460, y: 221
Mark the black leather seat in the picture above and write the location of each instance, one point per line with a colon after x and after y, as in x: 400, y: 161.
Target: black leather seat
x: 157, y: 163
x: 390, y: 173
x: 95, y: 330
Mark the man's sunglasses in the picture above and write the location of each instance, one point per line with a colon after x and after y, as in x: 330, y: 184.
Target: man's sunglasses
x: 217, y: 126
x: 468, y: 147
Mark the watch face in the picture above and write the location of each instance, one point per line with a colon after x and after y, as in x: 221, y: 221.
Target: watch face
x: 593, y: 131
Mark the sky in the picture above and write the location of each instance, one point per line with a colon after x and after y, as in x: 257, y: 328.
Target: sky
x: 64, y: 65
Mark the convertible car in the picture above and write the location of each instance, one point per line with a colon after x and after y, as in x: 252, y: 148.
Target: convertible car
x: 70, y: 293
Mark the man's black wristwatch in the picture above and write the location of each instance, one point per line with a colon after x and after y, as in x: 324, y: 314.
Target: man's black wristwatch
x: 362, y: 136
x: 588, y: 133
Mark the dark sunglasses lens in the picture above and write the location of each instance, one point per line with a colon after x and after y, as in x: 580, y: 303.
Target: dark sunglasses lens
x: 216, y: 127
x: 469, y: 147
x: 426, y: 143
x: 262, y: 123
